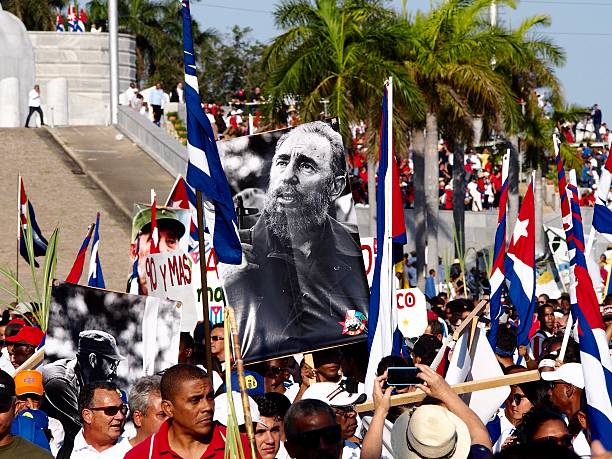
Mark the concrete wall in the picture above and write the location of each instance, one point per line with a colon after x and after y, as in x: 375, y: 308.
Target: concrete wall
x: 168, y: 152
x: 83, y: 59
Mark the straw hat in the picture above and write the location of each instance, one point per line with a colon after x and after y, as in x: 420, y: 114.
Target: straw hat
x: 430, y: 431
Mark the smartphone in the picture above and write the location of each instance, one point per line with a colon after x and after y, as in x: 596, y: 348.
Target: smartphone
x: 403, y: 376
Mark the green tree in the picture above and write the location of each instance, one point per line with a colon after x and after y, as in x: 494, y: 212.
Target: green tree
x: 451, y: 63
x: 230, y: 63
x: 35, y: 14
x: 340, y: 51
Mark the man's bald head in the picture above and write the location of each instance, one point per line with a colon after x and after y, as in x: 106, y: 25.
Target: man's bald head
x: 175, y: 376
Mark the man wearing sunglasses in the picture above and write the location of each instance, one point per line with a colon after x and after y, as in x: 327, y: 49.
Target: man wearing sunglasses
x: 311, y: 430
x: 103, y: 415
x: 97, y: 359
x: 343, y: 404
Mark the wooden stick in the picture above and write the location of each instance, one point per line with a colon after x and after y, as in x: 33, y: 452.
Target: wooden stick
x: 455, y: 336
x: 18, y: 237
x: 461, y: 388
x: 248, y: 420
x: 204, y: 282
x: 309, y: 360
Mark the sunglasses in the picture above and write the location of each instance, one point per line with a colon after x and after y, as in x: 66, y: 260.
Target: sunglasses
x: 563, y: 440
x: 275, y: 371
x: 346, y: 411
x: 216, y: 338
x: 517, y: 399
x: 112, y: 410
x: 312, y: 439
x: 26, y: 397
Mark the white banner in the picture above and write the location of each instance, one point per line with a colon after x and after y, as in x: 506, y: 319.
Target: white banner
x: 411, y: 312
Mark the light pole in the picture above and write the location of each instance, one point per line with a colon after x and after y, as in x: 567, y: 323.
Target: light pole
x: 114, y: 58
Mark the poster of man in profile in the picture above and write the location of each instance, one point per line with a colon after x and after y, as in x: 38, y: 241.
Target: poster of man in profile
x: 302, y: 284
x: 100, y: 335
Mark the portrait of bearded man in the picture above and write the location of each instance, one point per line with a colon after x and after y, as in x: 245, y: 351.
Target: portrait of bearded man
x: 302, y: 269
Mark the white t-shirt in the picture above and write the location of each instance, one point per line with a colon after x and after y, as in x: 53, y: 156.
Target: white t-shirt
x: 83, y: 450
x: 5, y: 362
x: 506, y: 428
x: 33, y: 98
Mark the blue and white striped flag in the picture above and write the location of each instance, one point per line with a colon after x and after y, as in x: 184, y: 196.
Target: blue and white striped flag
x: 204, y: 170
x: 384, y: 338
x: 602, y: 215
x: 594, y: 353
x: 95, y: 277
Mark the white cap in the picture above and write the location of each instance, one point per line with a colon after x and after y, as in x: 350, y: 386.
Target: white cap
x: 570, y: 373
x: 333, y: 394
x: 222, y: 408
x: 22, y: 308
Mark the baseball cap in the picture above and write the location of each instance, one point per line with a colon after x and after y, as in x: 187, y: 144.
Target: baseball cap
x: 222, y: 408
x: 570, y: 373
x: 254, y: 382
x: 607, y: 312
x: 29, y: 382
x: 28, y: 335
x: 7, y: 391
x: 333, y: 394
x: 99, y: 342
x: 164, y: 215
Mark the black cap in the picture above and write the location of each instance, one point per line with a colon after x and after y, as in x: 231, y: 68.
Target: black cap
x: 7, y: 391
x: 99, y: 342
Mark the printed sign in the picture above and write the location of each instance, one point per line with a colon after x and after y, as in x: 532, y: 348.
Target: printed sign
x: 411, y: 312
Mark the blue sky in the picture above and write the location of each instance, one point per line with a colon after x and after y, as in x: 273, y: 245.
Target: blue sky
x: 581, y: 27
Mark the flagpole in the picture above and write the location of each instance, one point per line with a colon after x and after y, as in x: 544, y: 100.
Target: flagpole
x: 18, y: 235
x: 389, y: 194
x: 204, y: 282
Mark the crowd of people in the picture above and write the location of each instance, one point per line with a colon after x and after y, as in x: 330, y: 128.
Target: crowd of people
x: 298, y: 410
x: 483, y: 169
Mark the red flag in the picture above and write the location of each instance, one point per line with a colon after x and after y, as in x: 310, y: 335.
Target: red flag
x: 154, y: 231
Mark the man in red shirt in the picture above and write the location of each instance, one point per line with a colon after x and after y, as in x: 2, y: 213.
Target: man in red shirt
x: 190, y: 432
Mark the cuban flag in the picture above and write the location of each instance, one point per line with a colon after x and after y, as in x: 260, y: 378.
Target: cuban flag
x: 384, y: 337
x: 520, y: 265
x: 77, y: 268
x: 204, y: 170
x: 602, y: 215
x: 59, y: 23
x: 154, y: 230
x: 71, y: 18
x: 95, y: 277
x: 26, y: 211
x: 182, y: 196
x: 499, y: 253
x: 80, y: 25
x: 594, y: 353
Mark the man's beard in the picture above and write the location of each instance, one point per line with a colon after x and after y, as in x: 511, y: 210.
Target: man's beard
x: 308, y: 213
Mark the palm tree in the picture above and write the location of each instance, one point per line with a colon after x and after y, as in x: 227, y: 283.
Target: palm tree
x: 340, y: 51
x: 450, y: 61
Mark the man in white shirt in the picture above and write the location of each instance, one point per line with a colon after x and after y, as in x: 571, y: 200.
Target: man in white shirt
x: 103, y: 416
x: 34, y: 104
x: 156, y: 100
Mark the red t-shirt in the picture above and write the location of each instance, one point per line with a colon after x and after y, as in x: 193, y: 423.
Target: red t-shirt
x: 162, y: 449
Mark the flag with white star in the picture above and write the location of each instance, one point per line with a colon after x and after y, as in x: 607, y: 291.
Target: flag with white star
x: 520, y: 265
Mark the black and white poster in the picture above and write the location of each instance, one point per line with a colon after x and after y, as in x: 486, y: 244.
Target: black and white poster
x: 302, y: 284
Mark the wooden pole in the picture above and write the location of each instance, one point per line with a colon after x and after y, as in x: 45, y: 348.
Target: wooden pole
x: 455, y: 336
x: 18, y: 236
x: 461, y: 388
x: 204, y: 286
x: 248, y: 420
